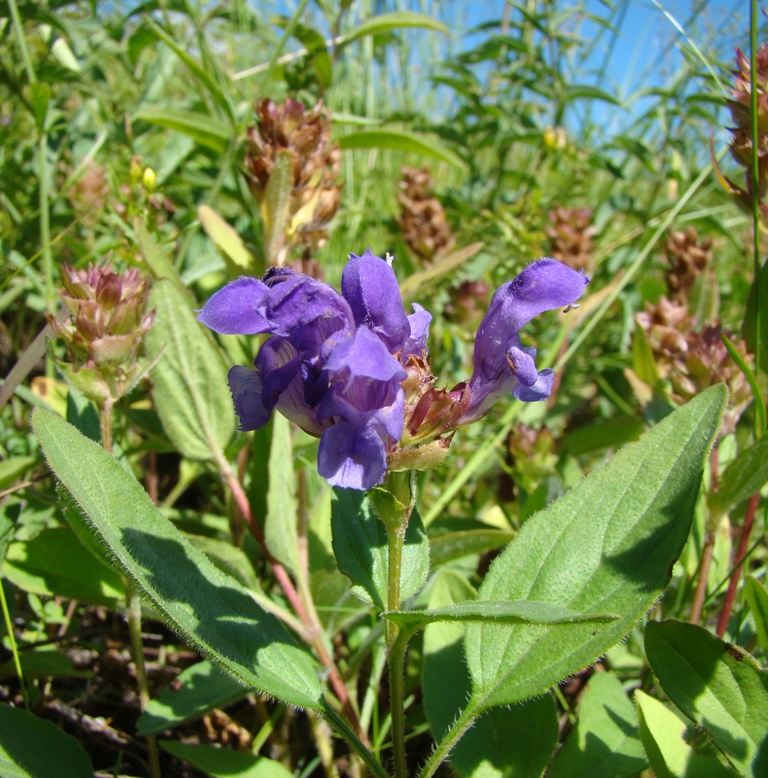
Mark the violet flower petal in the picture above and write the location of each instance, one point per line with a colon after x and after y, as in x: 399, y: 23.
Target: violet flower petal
x: 416, y: 343
x: 296, y: 300
x: 245, y: 385
x: 369, y: 285
x: 543, y: 285
x: 539, y: 390
x: 363, y: 356
x: 351, y: 456
x: 278, y: 364
x: 233, y: 309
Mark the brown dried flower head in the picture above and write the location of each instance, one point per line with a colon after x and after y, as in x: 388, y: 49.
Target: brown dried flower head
x: 422, y: 217
x: 570, y: 232
x: 688, y: 256
x: 691, y: 361
x: 306, y: 137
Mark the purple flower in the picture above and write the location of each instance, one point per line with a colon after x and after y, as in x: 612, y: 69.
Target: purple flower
x: 337, y: 364
x: 501, y: 363
x: 333, y: 363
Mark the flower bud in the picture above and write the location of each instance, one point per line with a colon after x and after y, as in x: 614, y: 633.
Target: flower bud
x: 149, y: 179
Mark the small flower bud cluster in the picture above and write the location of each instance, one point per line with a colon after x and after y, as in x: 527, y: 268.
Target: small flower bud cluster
x: 422, y: 218
x: 306, y: 137
x: 570, y: 231
x: 107, y: 321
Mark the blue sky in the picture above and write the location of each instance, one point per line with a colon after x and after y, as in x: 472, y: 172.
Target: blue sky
x: 647, y: 51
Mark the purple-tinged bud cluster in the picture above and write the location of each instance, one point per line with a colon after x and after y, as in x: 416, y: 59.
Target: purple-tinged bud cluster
x: 337, y: 364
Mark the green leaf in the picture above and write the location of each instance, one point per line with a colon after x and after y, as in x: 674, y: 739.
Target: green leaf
x: 716, y: 685
x: 606, y: 741
x: 757, y: 597
x: 608, y: 546
x: 744, y: 476
x: 515, y: 612
x: 440, y: 267
x: 40, y: 97
x: 226, y: 763
x: 588, y: 92
x: 229, y: 558
x: 156, y: 259
x: 43, y: 662
x: 13, y: 468
x: 10, y: 511
x: 280, y: 528
x: 34, y: 748
x: 360, y: 547
x: 275, y: 208
x: 190, y: 377
x: 643, y: 361
x: 57, y: 564
x: 741, y: 363
x: 207, y: 606
x: 201, y: 73
x: 396, y: 20
x: 207, y: 131
x: 454, y: 545
x: 198, y: 690
x: 662, y: 734
x: 227, y: 240
x: 487, y: 749
x: 400, y: 140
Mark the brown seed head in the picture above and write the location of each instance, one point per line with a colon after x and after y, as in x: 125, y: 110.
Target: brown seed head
x: 422, y: 217
x: 688, y: 256
x: 570, y: 231
x: 306, y: 137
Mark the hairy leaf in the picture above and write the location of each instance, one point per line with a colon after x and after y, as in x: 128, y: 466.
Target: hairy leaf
x: 207, y: 606
x: 189, y: 378
x: 716, y: 685
x: 607, y: 546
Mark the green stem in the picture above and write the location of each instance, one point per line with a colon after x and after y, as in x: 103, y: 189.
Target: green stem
x: 137, y: 649
x: 396, y: 649
x: 133, y: 606
x: 22, y: 41
x: 395, y: 511
x: 14, y: 647
x: 753, y: 24
x: 445, y: 746
x: 45, y: 222
x: 281, y: 45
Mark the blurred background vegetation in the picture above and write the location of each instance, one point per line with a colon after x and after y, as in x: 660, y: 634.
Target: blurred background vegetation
x: 469, y: 143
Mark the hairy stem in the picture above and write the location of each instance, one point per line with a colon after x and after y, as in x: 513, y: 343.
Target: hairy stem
x: 445, y: 746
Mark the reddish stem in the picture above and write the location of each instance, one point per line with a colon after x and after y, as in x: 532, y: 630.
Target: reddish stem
x: 741, y: 551
x: 314, y: 630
